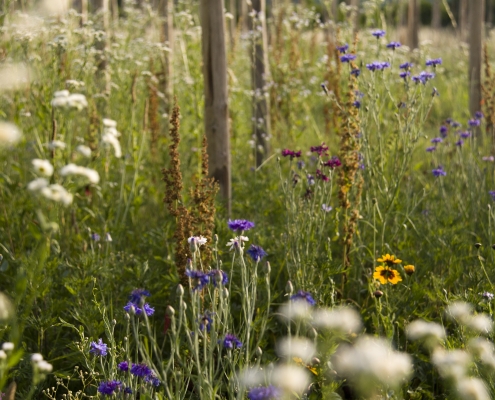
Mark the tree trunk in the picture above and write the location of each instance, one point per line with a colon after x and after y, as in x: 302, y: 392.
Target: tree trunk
x: 463, y: 18
x: 436, y: 15
x: 81, y: 6
x: 243, y: 15
x: 489, y: 13
x: 232, y: 22
x: 216, y: 100
x: 259, y: 76
x: 413, y: 24
x: 475, y: 47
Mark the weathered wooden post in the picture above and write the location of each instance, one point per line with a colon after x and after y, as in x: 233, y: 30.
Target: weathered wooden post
x: 216, y: 99
x: 413, y: 24
x: 436, y: 16
x: 463, y: 18
x: 475, y: 47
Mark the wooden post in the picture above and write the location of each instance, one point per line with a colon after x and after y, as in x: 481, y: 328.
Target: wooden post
x: 232, y: 22
x: 216, y: 99
x: 166, y: 10
x: 463, y: 19
x: 243, y: 15
x: 475, y: 48
x: 81, y: 6
x: 413, y: 24
x: 259, y: 76
x: 436, y: 16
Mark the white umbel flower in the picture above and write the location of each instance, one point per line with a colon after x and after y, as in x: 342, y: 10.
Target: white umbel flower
x: 63, y: 99
x: 112, y: 140
x: 58, y: 194
x: 84, y: 150
x: 9, y: 134
x: 37, y: 184
x: 42, y: 167
x: 73, y: 169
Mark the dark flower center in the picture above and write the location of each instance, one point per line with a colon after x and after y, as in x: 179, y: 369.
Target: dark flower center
x: 388, y: 273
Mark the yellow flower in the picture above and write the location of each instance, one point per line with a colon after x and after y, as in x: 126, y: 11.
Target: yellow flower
x: 387, y: 275
x: 299, y: 361
x: 389, y: 260
x: 409, y: 269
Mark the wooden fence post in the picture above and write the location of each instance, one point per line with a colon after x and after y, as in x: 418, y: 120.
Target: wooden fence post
x: 436, y: 15
x: 413, y: 24
x: 475, y: 47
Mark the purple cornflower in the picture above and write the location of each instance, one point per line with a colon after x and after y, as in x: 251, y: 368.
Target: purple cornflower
x: 128, y: 390
x: 200, y: 278
x: 393, y: 45
x: 342, y: 49
x: 230, y: 341
x: 425, y: 76
x: 404, y: 74
x: 95, y: 237
x: 256, y: 252
x: 431, y: 149
x: 326, y: 208
x: 378, y: 66
x: 239, y: 225
x: 109, y: 388
x: 152, y: 379
x: 334, y: 162
x: 264, y: 393
x: 291, y: 153
x: 137, y: 294
x: 465, y: 134
x: 455, y: 124
x: 206, y: 321
x: 492, y: 194
x: 488, y: 296
x: 443, y: 131
x: 478, y: 115
x: 436, y: 140
x: 433, y: 62
x: 218, y: 276
x: 356, y: 72
x: 378, y: 33
x: 301, y: 164
x: 140, y: 370
x: 321, y: 175
x: 356, y: 104
x: 123, y: 366
x: 322, y: 149
x: 347, y: 58
x: 474, y: 122
x: 459, y: 143
x: 311, y: 179
x: 303, y: 296
x: 98, y: 349
x: 488, y: 158
x: 406, y: 65
x: 138, y: 310
x: 439, y: 172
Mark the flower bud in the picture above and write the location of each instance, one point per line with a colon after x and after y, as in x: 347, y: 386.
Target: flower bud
x: 170, y: 311
x: 114, y: 322
x: 409, y: 269
x: 378, y: 294
x: 36, y: 357
x: 180, y: 290
x: 225, y: 292
x: 289, y: 288
x: 477, y: 245
x: 259, y: 352
x: 215, y: 238
x: 268, y: 268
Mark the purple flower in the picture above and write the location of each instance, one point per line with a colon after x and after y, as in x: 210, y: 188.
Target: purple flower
x: 311, y: 179
x: 322, y: 176
x: 393, y: 45
x: 347, y: 58
x: 443, y: 131
x: 240, y: 225
x: 465, y: 134
x: 217, y: 276
x: 140, y: 370
x: 123, y: 366
x: 230, y: 341
x: 151, y: 378
x: 431, y: 149
x: 378, y: 33
x: 474, y: 122
x: 487, y: 295
x: 303, y: 296
x: 343, y: 48
x: 95, y: 237
x: 301, y: 164
x: 290, y: 153
x: 334, y: 162
x: 256, y: 252
x: 138, y: 310
x: 478, y: 115
x: 433, y: 62
x: 108, y: 388
x: 356, y: 72
x: 206, y: 321
x: 488, y: 158
x: 128, y: 390
x: 423, y: 77
x: 405, y: 74
x: 326, y: 208
x: 459, y: 143
x: 456, y: 124
x: 137, y: 294
x: 200, y: 278
x: 356, y: 104
x: 378, y: 65
x: 406, y: 65
x: 436, y: 140
x: 322, y: 149
x: 439, y: 172
x: 264, y: 393
x: 492, y: 194
x: 98, y: 349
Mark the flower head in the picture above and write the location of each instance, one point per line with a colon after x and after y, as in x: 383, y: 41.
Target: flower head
x: 431, y: 149
x: 406, y: 65
x: 140, y: 370
x: 256, y: 252
x: 409, y: 269
x: 206, y: 321
x: 343, y: 48
x: 393, y: 45
x: 138, y: 310
x: 240, y: 225
x: 326, y: 208
x: 291, y: 153
x: 459, y: 143
x: 378, y: 33
x: 433, y: 62
x: 303, y: 296
x: 123, y: 366
x: 218, y: 276
x: 488, y: 296
x: 42, y: 167
x: 390, y: 260
x: 465, y: 134
x: 474, y: 122
x: 385, y: 275
x: 436, y: 140
x: 9, y: 134
x: 356, y: 72
x: 378, y: 65
x: 98, y: 349
x: 488, y: 158
x: 109, y: 388
x: 199, y: 278
x: 138, y: 294
x: 478, y: 115
x: 230, y: 341
x: 152, y: 378
x: 320, y: 150
x: 237, y: 242
x: 322, y: 176
x: 347, y: 58
x: 264, y: 393
x: 439, y: 172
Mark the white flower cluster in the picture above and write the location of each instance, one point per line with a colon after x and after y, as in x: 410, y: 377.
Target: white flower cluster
x: 463, y: 313
x: 64, y: 99
x: 429, y: 332
x: 9, y: 134
x: 237, y: 243
x: 111, y: 135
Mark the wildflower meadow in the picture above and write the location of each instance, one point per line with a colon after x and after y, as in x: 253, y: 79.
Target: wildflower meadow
x: 325, y: 230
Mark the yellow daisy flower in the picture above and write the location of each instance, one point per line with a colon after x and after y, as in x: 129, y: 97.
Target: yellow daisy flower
x: 389, y: 260
x: 409, y: 269
x: 385, y: 275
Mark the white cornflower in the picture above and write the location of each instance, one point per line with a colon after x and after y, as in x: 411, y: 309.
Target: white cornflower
x: 112, y: 140
x: 199, y: 240
x: 237, y: 242
x: 42, y: 167
x: 430, y: 332
x: 9, y: 133
x: 8, y: 346
x: 84, y: 150
x: 37, y: 184
x: 290, y: 378
x: 289, y: 347
x: 58, y: 194
x: 472, y: 389
x: 56, y: 144
x: 73, y: 169
x: 451, y: 364
x: 460, y: 311
x: 345, y: 320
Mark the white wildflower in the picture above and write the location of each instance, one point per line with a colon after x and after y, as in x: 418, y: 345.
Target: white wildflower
x: 289, y: 347
x: 42, y: 167
x: 112, y: 140
x: 480, y: 323
x: 73, y: 169
x: 343, y: 319
x: 237, y: 242
x: 108, y: 237
x: 199, y: 240
x: 296, y: 310
x: 58, y: 194
x: 250, y: 377
x: 14, y: 76
x: 37, y: 184
x: 84, y: 150
x: 484, y: 350
x: 430, y: 332
x: 9, y: 133
x: 8, y: 346
x: 6, y: 308
x: 36, y: 358
x: 55, y: 144
x: 109, y: 123
x: 460, y: 311
x: 77, y: 101
x: 451, y: 364
x: 3, y: 355
x: 290, y: 378
x: 472, y: 389
x: 44, y: 366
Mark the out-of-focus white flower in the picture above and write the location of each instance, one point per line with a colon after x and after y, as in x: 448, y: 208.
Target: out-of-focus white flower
x: 109, y: 123
x: 451, y: 364
x: 42, y: 167
x: 430, y: 332
x: 9, y: 134
x: 484, y: 350
x: 3, y: 355
x: 296, y: 310
x: 56, y: 144
x: 13, y: 76
x: 73, y: 84
x: 73, y: 169
x: 289, y: 347
x: 6, y: 308
x: 44, y: 366
x: 460, y: 311
x: 480, y: 323
x: 63, y: 99
x: 112, y: 140
x: 57, y: 193
x: 343, y: 319
x: 54, y: 7
x: 108, y: 237
x: 37, y: 184
x: 237, y: 242
x: 250, y: 377
x: 372, y: 362
x: 36, y: 357
x: 84, y: 150
x: 8, y: 346
x: 472, y: 389
x: 199, y: 240
x: 290, y: 378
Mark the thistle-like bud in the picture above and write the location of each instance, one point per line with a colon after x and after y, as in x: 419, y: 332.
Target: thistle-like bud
x: 477, y: 245
x: 180, y: 290
x: 259, y: 352
x: 225, y: 292
x: 215, y: 238
x: 114, y: 322
x: 170, y: 311
x: 378, y: 294
x: 289, y: 288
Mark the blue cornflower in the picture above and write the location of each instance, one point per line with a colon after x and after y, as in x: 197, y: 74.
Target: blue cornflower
x: 256, y: 252
x: 206, y: 321
x: 436, y: 140
x: 439, y: 172
x: 239, y: 225
x: 264, y: 393
x: 98, y: 349
x: 465, y: 134
x: 456, y: 124
x: 218, y: 274
x: 459, y: 143
x: 201, y: 279
x: 443, y: 131
x: 404, y: 74
x: 95, y: 237
x: 301, y: 164
x: 140, y: 370
x: 474, y: 122
x: 478, y: 115
x: 108, y: 388
x: 378, y: 33
x: 406, y: 65
x: 433, y: 62
x: 378, y: 66
x: 230, y: 341
x: 137, y: 295
x: 138, y: 310
x: 123, y: 366
x: 347, y: 58
x: 128, y: 390
x: 492, y: 194
x: 343, y: 48
x: 431, y: 149
x: 356, y: 104
x: 356, y: 72
x: 393, y: 45
x: 302, y: 295
x: 152, y: 379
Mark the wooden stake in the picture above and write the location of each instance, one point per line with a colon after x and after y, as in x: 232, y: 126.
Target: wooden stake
x: 475, y: 48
